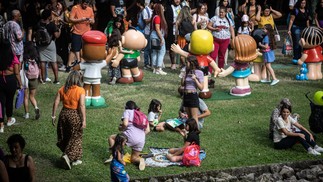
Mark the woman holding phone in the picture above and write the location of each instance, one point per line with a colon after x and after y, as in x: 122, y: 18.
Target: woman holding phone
x: 192, y: 82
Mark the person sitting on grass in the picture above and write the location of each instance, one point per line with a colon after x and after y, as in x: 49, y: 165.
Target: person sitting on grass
x: 176, y: 154
x: 154, y: 115
x: 285, y: 137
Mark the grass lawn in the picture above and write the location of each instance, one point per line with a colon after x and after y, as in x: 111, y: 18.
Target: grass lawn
x: 235, y: 135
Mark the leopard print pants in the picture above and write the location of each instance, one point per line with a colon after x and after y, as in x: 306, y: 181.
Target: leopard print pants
x: 69, y: 133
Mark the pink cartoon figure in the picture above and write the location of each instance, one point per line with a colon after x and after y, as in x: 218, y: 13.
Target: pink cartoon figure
x: 245, y: 51
x: 311, y: 39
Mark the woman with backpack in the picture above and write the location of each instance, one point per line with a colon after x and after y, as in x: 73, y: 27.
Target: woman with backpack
x: 158, y: 34
x: 185, y: 25
x: 136, y: 135
x: 31, y: 71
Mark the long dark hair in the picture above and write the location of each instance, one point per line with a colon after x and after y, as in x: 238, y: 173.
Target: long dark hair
x: 153, y: 105
x: 114, y: 38
x: 192, y: 123
x: 158, y: 10
x: 221, y: 4
x: 119, y: 19
x: 285, y: 106
x: 120, y: 138
x: 131, y: 105
x: 193, y: 64
x: 30, y: 52
x: 6, y: 55
x: 271, y: 36
x: 298, y: 4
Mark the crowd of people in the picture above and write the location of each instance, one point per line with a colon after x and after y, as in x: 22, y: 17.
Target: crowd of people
x: 163, y: 23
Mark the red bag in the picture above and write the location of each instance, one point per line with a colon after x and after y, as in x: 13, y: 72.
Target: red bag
x: 140, y: 120
x: 191, y: 155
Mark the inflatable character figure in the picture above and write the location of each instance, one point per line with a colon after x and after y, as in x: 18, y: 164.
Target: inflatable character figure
x: 311, y: 39
x: 95, y: 58
x: 133, y: 41
x: 245, y: 51
x: 201, y: 45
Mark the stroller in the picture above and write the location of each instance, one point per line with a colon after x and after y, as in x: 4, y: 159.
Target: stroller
x: 316, y: 118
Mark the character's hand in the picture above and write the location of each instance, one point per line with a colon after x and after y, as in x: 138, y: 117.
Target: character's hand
x: 222, y: 74
x: 216, y: 72
x: 176, y: 48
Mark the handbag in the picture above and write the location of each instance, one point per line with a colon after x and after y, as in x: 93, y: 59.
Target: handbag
x: 20, y: 98
x: 155, y: 44
x: 277, y: 36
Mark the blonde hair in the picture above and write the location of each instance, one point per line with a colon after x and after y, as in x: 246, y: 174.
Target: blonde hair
x: 185, y: 13
x: 74, y: 78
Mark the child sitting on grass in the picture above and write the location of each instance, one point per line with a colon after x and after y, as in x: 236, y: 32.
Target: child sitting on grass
x: 176, y: 154
x: 154, y: 115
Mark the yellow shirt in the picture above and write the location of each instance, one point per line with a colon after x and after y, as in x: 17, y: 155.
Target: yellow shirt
x: 266, y: 20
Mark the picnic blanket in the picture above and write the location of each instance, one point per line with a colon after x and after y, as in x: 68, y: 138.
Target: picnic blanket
x: 159, y: 159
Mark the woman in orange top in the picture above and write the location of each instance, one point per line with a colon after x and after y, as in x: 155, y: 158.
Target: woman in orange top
x: 72, y: 119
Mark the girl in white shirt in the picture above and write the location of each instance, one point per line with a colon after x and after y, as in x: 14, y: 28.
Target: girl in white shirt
x: 285, y: 137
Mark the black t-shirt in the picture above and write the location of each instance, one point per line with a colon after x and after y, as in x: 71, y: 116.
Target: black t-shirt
x: 51, y: 28
x: 119, y: 4
x: 319, y: 13
x: 193, y: 137
x: 300, y: 17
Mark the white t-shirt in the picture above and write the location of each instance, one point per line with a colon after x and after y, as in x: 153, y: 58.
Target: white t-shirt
x: 201, y: 18
x: 280, y: 124
x: 153, y: 117
x: 221, y: 22
x: 245, y: 30
x: 146, y: 14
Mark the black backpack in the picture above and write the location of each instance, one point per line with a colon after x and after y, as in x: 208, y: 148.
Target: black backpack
x: 186, y: 27
x: 316, y: 118
x: 42, y: 36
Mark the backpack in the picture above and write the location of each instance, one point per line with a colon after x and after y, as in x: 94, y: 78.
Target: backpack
x: 31, y: 69
x: 186, y: 27
x: 315, y: 120
x: 191, y: 155
x: 42, y: 36
x: 141, y: 21
x: 140, y: 119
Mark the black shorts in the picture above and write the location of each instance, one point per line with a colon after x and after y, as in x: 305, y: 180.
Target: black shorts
x: 191, y: 100
x: 76, y: 45
x: 205, y: 70
x: 129, y: 63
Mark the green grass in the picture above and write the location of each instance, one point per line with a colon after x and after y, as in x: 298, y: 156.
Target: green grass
x: 234, y: 135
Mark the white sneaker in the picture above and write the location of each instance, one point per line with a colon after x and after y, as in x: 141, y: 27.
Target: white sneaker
x: 77, y: 162
x: 67, y: 163
x: 313, y: 152
x: 9, y: 123
x: 2, y: 130
x: 62, y: 68
x: 48, y: 79
x: 160, y: 72
x: 274, y: 82
x: 154, y: 70
x: 26, y: 116
x: 318, y: 149
x: 142, y: 164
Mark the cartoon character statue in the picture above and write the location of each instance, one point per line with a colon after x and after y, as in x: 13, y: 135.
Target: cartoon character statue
x: 245, y: 51
x: 95, y: 58
x: 311, y: 39
x: 201, y: 45
x: 133, y: 41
